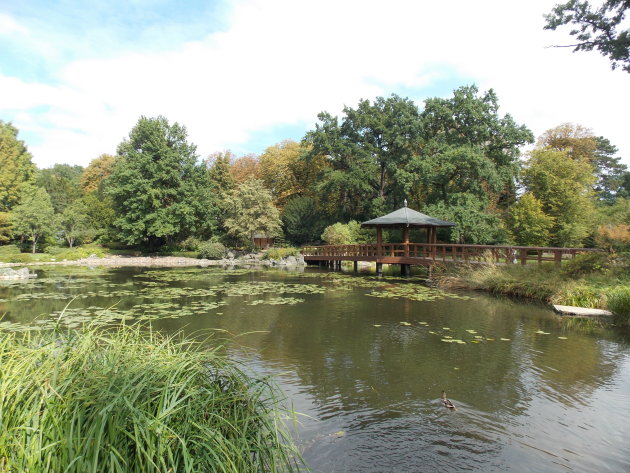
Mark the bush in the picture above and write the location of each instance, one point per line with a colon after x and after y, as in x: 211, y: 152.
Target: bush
x: 130, y: 401
x: 190, y: 244
x: 619, y: 304
x: 20, y: 258
x: 613, y: 237
x: 279, y: 253
x: 8, y: 250
x: 350, y: 233
x: 588, y: 263
x: 80, y: 252
x: 211, y: 250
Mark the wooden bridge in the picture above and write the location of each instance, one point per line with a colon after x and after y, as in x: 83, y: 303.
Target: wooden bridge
x: 429, y: 254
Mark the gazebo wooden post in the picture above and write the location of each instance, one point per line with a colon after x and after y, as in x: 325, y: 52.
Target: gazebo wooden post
x: 379, y: 250
x: 406, y: 240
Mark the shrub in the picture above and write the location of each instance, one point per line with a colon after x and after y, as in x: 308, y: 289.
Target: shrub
x: 20, y: 258
x: 8, y: 250
x: 80, y: 252
x: 279, y: 253
x: 613, y: 237
x: 190, y: 244
x: 130, y: 401
x: 588, y: 263
x: 346, y: 234
x: 211, y: 250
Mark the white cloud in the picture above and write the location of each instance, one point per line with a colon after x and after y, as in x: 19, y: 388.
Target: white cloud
x: 283, y: 61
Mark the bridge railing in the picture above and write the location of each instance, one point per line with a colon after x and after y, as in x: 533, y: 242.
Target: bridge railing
x: 448, y: 252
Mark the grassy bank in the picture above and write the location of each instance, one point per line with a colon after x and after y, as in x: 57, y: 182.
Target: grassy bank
x: 598, y: 281
x: 132, y: 401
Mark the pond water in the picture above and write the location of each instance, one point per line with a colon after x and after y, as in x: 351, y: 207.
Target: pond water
x: 364, y: 361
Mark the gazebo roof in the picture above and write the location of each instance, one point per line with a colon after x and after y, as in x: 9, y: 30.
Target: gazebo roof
x: 406, y: 217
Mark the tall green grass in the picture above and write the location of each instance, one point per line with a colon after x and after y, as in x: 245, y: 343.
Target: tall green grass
x: 619, y: 304
x: 133, y: 400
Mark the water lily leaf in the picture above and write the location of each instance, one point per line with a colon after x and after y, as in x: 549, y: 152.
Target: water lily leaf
x: 376, y: 325
x: 563, y: 338
x: 504, y: 339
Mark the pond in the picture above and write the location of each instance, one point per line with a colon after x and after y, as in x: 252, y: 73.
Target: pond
x: 364, y: 361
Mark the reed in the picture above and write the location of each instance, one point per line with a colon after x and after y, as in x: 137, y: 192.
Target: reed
x: 619, y: 305
x: 133, y: 400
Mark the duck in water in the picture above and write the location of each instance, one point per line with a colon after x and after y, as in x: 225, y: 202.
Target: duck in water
x: 447, y: 402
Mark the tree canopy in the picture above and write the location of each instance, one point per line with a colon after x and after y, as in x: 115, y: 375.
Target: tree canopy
x: 159, y: 190
x: 16, y: 165
x: 595, y: 28
x: 34, y: 216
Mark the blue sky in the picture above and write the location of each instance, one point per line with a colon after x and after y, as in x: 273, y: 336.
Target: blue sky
x: 243, y: 75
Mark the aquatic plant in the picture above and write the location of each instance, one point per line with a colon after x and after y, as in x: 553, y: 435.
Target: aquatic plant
x: 619, y: 304
x: 132, y: 400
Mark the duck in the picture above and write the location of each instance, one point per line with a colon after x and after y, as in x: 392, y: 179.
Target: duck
x: 447, y: 402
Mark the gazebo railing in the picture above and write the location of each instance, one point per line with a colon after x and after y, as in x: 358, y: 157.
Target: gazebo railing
x: 446, y: 252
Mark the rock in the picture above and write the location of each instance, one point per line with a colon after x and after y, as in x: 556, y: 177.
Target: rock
x: 230, y: 255
x: 92, y: 256
x: 290, y: 261
x: 580, y: 311
x: 10, y: 273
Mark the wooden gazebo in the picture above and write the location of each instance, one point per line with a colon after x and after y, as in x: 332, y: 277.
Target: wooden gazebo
x: 405, y: 218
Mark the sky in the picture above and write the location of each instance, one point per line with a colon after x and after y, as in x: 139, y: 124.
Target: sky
x: 243, y: 75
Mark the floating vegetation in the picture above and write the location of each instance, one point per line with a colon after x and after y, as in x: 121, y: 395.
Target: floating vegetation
x: 277, y: 301
x: 405, y: 323
x: 414, y: 292
x: 504, y: 339
x: 541, y: 332
x: 376, y: 325
x: 562, y: 338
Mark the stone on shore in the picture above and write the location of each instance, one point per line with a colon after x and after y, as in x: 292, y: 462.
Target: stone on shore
x: 580, y: 311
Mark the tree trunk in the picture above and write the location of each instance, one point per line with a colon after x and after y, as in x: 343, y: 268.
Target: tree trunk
x: 34, y: 243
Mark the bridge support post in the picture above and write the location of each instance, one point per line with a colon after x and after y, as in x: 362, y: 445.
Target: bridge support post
x: 379, y: 269
x: 405, y: 270
x: 356, y: 266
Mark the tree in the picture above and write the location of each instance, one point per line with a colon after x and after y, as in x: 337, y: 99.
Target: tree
x: 74, y: 223
x: 96, y: 172
x: 33, y: 218
x: 16, y: 165
x: 63, y: 184
x: 100, y: 215
x: 528, y: 223
x: 581, y: 144
x: 564, y: 188
x: 245, y: 168
x: 219, y: 172
x: 469, y: 148
x: 367, y: 153
x: 6, y: 230
x: 251, y: 211
x: 301, y: 220
x: 474, y: 223
x: 277, y: 170
x: 595, y: 28
x: 159, y: 192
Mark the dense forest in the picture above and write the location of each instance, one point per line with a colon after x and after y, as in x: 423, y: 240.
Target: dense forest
x: 455, y: 158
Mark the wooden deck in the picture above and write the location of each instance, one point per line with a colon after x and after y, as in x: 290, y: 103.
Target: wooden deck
x: 428, y: 254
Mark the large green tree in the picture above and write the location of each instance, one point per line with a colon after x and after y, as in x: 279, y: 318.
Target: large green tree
x: 469, y: 148
x: 564, y: 188
x: 251, y: 211
x: 95, y: 174
x: 74, y: 223
x: 33, y: 218
x: 63, y: 184
x: 16, y: 167
x: 528, y: 224
x: 160, y: 193
x: 368, y: 154
x: 582, y: 145
x: 595, y: 28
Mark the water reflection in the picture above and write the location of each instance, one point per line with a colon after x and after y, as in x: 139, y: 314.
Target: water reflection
x: 369, y: 385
